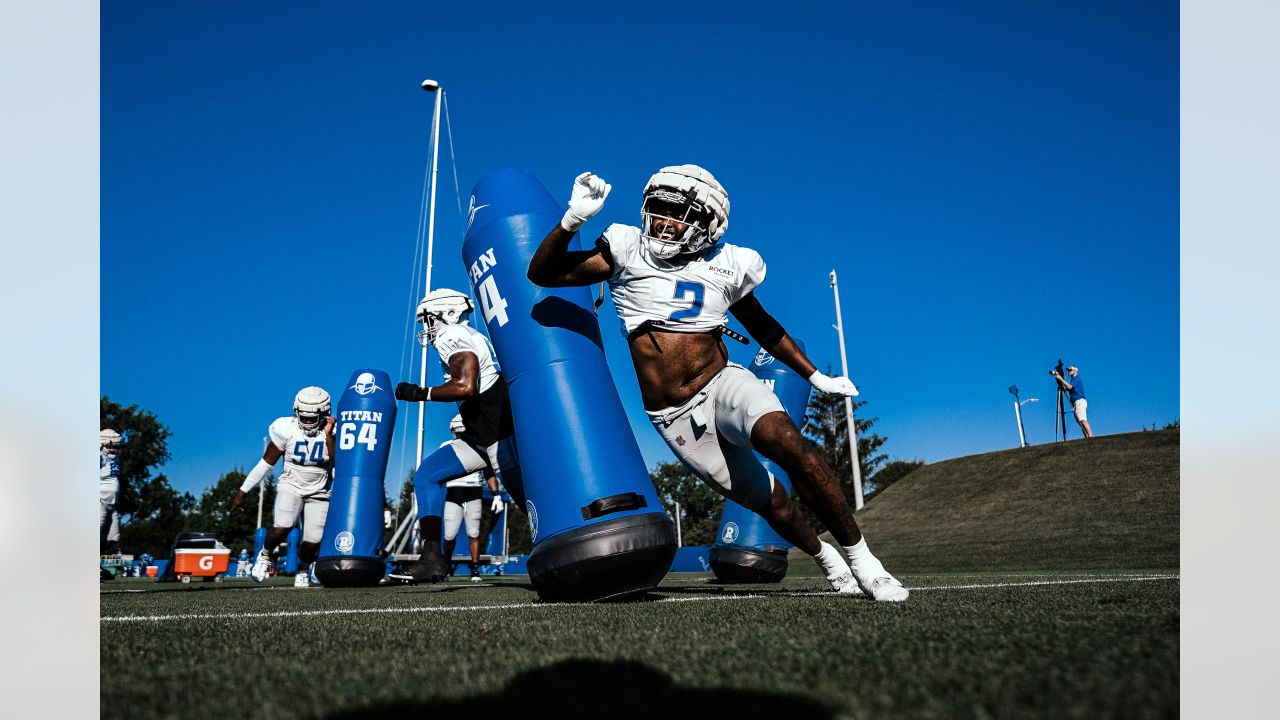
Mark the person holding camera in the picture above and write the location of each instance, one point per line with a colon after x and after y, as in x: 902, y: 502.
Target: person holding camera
x: 1074, y: 386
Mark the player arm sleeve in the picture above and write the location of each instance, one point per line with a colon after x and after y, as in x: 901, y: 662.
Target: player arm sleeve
x: 614, y: 245
x: 759, y: 323
x: 255, y: 476
x: 753, y: 271
x: 279, y: 433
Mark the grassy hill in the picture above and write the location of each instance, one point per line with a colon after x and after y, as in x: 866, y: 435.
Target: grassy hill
x: 1109, y: 503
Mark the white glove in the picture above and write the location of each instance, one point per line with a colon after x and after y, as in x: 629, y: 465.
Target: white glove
x: 498, y: 506
x: 838, y: 385
x: 589, y: 192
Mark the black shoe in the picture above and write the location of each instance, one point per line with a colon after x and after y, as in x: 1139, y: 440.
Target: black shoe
x: 430, y: 568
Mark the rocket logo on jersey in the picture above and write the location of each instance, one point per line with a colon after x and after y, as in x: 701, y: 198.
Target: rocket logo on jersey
x: 723, y: 272
x: 365, y: 384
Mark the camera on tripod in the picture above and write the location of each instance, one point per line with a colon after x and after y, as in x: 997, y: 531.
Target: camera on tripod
x: 1057, y: 370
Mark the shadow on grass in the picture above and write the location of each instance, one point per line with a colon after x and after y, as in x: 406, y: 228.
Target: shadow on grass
x: 596, y: 689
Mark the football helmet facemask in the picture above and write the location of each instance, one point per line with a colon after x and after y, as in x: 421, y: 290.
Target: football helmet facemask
x: 442, y: 307
x: 109, y: 441
x: 311, y: 406
x: 690, y: 196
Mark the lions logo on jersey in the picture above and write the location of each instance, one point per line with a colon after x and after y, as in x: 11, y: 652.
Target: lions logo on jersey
x: 365, y: 384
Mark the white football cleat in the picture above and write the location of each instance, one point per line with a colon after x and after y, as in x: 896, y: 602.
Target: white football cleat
x: 845, y: 584
x: 302, y: 580
x: 883, y: 588
x: 836, y: 570
x: 260, y: 567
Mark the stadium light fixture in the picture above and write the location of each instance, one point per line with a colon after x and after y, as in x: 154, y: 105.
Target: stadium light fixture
x: 1017, y: 413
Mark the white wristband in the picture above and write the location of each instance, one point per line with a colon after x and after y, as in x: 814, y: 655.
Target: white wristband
x: 571, y: 222
x: 258, y: 472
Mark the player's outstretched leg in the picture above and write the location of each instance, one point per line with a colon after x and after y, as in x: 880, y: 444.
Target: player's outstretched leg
x: 435, y: 470
x: 777, y: 438
x: 262, y: 563
x: 785, y: 518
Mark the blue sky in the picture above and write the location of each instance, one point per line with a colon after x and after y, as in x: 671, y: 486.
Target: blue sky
x: 996, y: 184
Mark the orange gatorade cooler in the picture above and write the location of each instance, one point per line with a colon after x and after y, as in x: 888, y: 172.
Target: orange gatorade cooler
x: 153, y: 570
x: 201, y: 562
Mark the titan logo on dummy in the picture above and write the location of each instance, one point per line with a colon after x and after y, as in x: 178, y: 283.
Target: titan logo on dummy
x: 600, y: 531
x: 746, y: 548
x: 351, y: 549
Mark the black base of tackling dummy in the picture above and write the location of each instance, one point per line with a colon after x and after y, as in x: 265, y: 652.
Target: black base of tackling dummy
x: 604, y: 561
x: 350, y: 571
x: 740, y: 565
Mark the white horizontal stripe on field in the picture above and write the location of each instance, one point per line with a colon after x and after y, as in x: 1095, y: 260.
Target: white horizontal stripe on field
x: 526, y: 606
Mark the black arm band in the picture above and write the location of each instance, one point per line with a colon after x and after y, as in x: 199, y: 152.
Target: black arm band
x: 758, y: 322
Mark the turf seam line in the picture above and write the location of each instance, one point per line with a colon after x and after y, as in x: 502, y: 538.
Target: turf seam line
x: 522, y: 606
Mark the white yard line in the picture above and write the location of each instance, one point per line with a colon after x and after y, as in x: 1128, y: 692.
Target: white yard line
x: 1099, y: 579
x: 526, y: 606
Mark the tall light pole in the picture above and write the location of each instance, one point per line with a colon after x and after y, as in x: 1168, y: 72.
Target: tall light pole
x: 854, y: 462
x: 433, y: 87
x: 1017, y: 413
x: 262, y: 487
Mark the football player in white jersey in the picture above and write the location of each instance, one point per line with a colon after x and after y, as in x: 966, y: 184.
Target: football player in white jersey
x: 108, y: 488
x: 472, y: 379
x: 305, y: 441
x: 674, y: 285
x: 462, y: 500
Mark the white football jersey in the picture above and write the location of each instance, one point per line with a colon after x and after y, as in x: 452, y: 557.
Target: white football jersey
x: 108, y: 472
x: 692, y: 296
x: 463, y: 338
x: 307, y: 465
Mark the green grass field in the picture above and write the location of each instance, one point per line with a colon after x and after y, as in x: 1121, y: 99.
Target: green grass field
x: 1049, y: 627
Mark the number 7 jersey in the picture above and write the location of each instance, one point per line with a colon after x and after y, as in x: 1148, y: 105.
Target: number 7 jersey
x: 307, y: 465
x: 689, y: 296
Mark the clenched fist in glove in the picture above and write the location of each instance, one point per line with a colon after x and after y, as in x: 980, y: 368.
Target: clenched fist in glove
x: 838, y: 385
x: 589, y: 192
x: 412, y: 392
x: 497, y: 506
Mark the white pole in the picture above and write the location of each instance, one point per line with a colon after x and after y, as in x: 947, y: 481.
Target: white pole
x: 679, y: 536
x: 1017, y: 414
x: 854, y: 462
x: 430, y: 86
x: 261, y: 486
